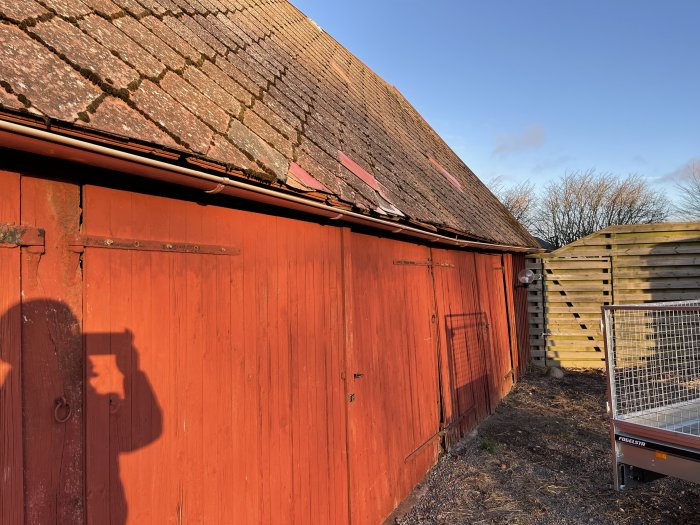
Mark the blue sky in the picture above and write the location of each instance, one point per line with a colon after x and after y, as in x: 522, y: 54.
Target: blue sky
x: 531, y: 89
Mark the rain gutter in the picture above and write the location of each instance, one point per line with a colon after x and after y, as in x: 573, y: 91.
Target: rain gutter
x: 41, y: 142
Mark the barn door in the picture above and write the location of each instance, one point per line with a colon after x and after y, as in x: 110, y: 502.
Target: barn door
x: 392, y: 377
x: 41, y: 447
x: 492, y: 296
x: 214, y: 347
x: 465, y: 359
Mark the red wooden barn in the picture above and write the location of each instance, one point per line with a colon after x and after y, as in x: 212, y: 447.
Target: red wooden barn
x: 243, y: 281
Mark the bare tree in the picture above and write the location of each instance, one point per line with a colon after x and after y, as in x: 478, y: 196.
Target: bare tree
x: 520, y: 200
x: 688, y: 208
x: 582, y: 203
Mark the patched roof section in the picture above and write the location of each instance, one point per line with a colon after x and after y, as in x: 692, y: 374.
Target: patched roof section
x: 253, y: 86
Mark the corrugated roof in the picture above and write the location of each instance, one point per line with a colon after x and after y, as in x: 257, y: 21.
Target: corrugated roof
x: 252, y: 85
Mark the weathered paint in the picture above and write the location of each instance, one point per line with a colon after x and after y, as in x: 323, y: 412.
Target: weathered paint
x: 11, y: 478
x: 392, y: 373
x: 218, y: 384
x: 464, y: 354
x: 52, y: 355
x: 492, y: 295
x: 240, y: 412
x: 518, y: 300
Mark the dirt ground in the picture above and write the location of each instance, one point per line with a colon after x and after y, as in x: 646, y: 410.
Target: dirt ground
x: 544, y: 458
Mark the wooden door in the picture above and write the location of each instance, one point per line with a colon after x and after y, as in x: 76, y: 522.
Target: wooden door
x: 492, y: 293
x: 393, y: 398
x: 464, y: 356
x: 215, y: 389
x: 52, y: 354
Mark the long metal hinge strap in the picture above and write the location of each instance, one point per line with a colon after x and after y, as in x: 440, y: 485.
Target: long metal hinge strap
x: 15, y: 236
x: 423, y: 263
x: 91, y: 241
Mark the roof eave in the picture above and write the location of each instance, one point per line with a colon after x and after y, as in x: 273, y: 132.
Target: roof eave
x: 32, y: 139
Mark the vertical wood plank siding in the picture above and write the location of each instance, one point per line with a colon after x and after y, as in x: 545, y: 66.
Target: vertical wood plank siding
x: 309, y: 374
x: 622, y: 264
x: 490, y: 272
x: 243, y: 359
x: 519, y: 302
x: 52, y: 356
x: 11, y: 483
x: 392, y: 372
x: 464, y: 354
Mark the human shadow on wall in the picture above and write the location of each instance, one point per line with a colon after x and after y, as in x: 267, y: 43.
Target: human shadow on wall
x: 119, y: 393
x: 468, y: 365
x: 121, y: 412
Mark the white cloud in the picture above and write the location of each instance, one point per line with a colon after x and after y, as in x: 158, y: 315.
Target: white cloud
x: 532, y: 137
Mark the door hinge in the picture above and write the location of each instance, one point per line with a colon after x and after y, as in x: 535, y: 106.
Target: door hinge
x: 80, y: 242
x: 429, y: 262
x: 16, y: 236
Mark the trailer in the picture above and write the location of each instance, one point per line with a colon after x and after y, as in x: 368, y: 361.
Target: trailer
x: 653, y: 371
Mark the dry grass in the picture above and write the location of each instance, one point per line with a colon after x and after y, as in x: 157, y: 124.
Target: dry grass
x: 546, y: 462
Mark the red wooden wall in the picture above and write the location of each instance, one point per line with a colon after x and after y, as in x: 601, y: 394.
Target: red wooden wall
x: 11, y: 479
x: 392, y: 372
x: 520, y: 315
x: 308, y: 374
x: 464, y: 354
x: 233, y: 397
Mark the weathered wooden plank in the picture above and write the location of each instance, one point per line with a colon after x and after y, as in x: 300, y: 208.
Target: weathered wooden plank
x: 657, y: 272
x: 578, y: 343
x: 578, y: 287
x: 570, y: 309
x: 656, y: 296
x: 566, y: 320
x: 553, y: 331
x: 11, y: 453
x: 652, y: 228
x: 679, y: 236
x: 622, y: 261
x: 594, y: 251
x: 52, y: 350
x: 574, y: 275
x: 657, y: 249
x: 577, y: 355
x: 621, y: 239
x: 462, y: 336
x: 593, y: 263
x: 576, y: 298
x: 656, y: 284
x: 577, y: 363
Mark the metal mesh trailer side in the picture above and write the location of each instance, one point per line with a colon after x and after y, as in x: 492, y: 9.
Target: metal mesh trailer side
x: 653, y: 368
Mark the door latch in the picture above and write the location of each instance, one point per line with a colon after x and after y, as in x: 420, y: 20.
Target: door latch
x: 358, y: 376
